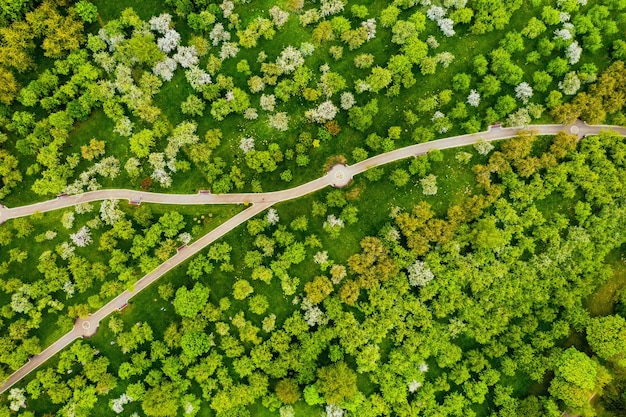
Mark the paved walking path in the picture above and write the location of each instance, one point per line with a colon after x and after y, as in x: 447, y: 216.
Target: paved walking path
x: 337, y: 176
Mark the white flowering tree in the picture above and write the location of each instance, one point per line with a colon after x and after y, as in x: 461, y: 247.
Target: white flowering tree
x: 570, y: 84
x: 279, y: 16
x: 289, y: 59
x: 228, y: 50
x: 279, y: 121
x: 165, y: 69
x: 370, y: 28
x: 573, y: 53
x: 473, y: 99
x: 169, y: 41
x: 218, y: 34
x: 267, y: 102
x: 446, y: 26
x: 272, y: 216
x: 161, y: 23
x: 246, y: 144
x: 197, y: 77
x: 17, y: 399
x: 429, y: 185
x: 117, y: 404
x: 82, y: 237
x: 523, y: 92
x: 331, y: 7
x: 109, y: 213
x: 347, y: 100
x: 324, y: 112
x: 483, y: 147
x: 186, y: 56
x: 419, y: 274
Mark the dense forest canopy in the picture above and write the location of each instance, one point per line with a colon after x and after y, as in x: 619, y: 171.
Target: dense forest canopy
x: 488, y: 280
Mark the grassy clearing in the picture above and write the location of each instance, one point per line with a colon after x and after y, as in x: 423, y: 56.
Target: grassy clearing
x: 601, y: 303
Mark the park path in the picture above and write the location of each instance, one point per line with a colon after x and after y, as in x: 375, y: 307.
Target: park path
x: 338, y: 176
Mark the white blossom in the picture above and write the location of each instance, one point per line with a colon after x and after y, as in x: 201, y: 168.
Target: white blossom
x: 564, y: 17
x: 286, y: 411
x: 229, y: 96
x: 519, y: 118
x: 272, y: 216
x: 82, y: 237
x: 429, y: 185
x: 473, y: 99
x: 446, y: 26
x: 114, y: 41
x: 197, y: 77
x: 20, y: 302
x: 570, y: 84
x: 347, y: 100
x: 309, y: 16
x: 109, y: 213
x: 228, y: 50
x: 109, y: 167
x: 362, y: 86
x: 219, y: 34
x: 573, y: 52
x: 169, y: 41
x: 186, y: 56
x: 161, y: 23
x: 105, y: 60
x: 279, y: 121
x: 313, y: 315
x: 330, y: 7
x: 324, y: 112
x: 267, y: 102
x: 437, y: 115
x: 432, y: 42
x: 165, y: 69
x: 124, y: 127
x: 50, y: 234
x: 370, y: 28
x: 227, y: 8
x: 69, y: 288
x: 162, y: 177
x: 307, y: 48
x: 523, y: 92
x: 333, y: 410
x: 279, y: 16
x: 414, y: 385
x: 67, y: 220
x: 563, y: 34
x: 290, y: 59
x: 423, y: 367
x: 445, y: 58
x: 184, y: 238
x: 436, y: 13
x: 246, y: 144
x: 66, y: 250
x: 419, y: 274
x: 333, y: 221
x: 17, y: 398
x: 324, y: 68
x: 320, y: 257
x: 250, y: 114
x: 118, y: 404
x: 483, y: 147
x: 83, y: 208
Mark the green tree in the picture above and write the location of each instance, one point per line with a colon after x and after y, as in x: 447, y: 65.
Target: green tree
x: 287, y: 390
x: 607, y: 338
x: 195, y: 343
x: 188, y: 303
x: 336, y: 383
x: 162, y: 400
x: 87, y: 11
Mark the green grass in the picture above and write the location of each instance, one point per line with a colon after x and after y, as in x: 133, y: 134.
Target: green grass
x: 602, y: 301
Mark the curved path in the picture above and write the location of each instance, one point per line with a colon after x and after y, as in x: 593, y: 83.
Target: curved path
x: 337, y: 176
